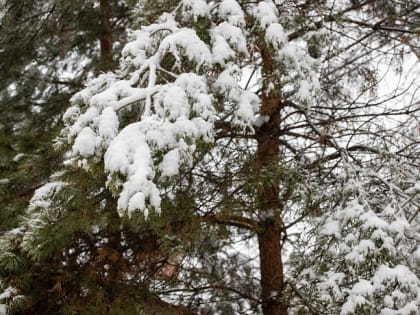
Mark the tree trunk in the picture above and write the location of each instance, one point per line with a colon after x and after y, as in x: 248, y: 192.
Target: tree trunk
x: 269, y: 203
x: 106, y: 35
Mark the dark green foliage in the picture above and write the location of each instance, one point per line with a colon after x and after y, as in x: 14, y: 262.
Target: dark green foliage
x: 48, y: 49
x: 77, y: 255
x: 148, y: 11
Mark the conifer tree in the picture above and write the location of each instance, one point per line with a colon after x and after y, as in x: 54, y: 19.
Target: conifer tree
x: 245, y: 158
x: 49, y: 49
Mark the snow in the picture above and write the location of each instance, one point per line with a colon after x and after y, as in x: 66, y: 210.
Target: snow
x: 233, y: 35
x: 231, y: 11
x: 181, y: 109
x: 400, y: 225
x: 170, y: 163
x: 172, y: 112
x: 294, y: 56
x: 8, y: 293
x: 415, y: 188
x: 369, y: 234
x: 353, y: 210
x: 247, y: 107
x: 175, y: 113
x: 227, y: 80
x: 227, y: 41
x: 361, y: 242
x: 363, y: 287
x: 195, y: 8
x: 408, y: 309
x: 109, y: 95
x: 82, y: 121
x: 100, y: 83
x: 331, y: 227
x: 85, y: 142
x: 371, y: 220
x: 108, y: 124
x: 134, y: 52
x: 18, y: 157
x: 221, y: 50
x: 350, y: 306
x: 260, y: 120
x: 170, y: 102
x: 265, y: 13
x: 331, y: 284
x: 398, y: 273
x: 136, y: 202
x: 185, y: 42
x: 276, y: 36
x: 71, y: 114
x: 4, y: 181
x: 246, y: 103
x: 43, y: 195
x: 304, y: 91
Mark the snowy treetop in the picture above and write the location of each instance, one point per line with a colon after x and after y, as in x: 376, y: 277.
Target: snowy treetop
x: 173, y: 77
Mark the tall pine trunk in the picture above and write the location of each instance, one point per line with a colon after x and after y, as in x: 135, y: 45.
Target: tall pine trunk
x: 270, y: 206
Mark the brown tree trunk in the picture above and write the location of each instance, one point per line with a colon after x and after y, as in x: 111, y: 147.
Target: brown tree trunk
x: 106, y: 35
x: 269, y: 203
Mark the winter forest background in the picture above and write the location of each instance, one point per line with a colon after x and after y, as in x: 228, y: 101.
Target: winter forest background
x: 209, y: 157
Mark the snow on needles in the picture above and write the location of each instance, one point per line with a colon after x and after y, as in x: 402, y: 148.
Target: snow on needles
x: 167, y: 82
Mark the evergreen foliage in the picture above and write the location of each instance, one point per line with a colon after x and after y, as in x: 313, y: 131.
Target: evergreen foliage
x: 49, y: 49
x: 245, y: 158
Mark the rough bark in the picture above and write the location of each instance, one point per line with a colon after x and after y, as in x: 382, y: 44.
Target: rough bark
x: 270, y: 206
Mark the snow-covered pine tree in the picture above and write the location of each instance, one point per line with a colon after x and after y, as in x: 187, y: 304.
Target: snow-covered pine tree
x: 235, y: 123
x: 48, y: 50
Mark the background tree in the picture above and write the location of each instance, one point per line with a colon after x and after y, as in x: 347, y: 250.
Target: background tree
x: 49, y: 49
x: 231, y: 122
